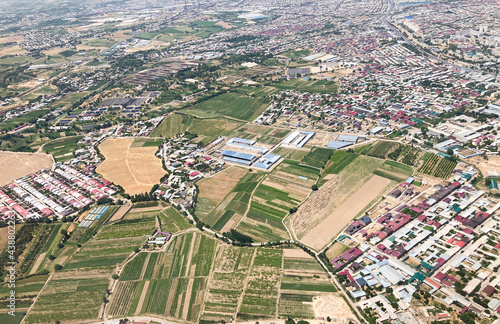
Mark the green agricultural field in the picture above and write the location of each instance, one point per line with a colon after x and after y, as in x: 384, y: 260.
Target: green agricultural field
x: 145, y: 142
x: 395, y: 171
x: 232, y: 105
x: 317, y: 157
x: 127, y: 228
x: 101, y: 42
x: 9, y: 319
x: 338, y: 161
x: 437, y: 166
x: 209, y: 129
x: 261, y: 294
x: 269, y: 206
x: 147, y: 36
x: 172, y: 221
x: 175, y: 280
x: 261, y: 134
x: 62, y: 148
x: 103, y: 254
x: 303, y: 279
x: 313, y: 86
x: 85, y: 293
x: 27, y: 118
x: 172, y: 125
x: 290, y: 153
x: 290, y: 170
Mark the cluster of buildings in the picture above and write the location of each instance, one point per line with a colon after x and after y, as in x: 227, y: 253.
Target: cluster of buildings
x: 186, y: 164
x: 244, y: 152
x: 59, y: 192
x: 440, y: 244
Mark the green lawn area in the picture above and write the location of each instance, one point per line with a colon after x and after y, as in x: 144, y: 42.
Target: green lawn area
x: 232, y: 105
x: 297, y: 54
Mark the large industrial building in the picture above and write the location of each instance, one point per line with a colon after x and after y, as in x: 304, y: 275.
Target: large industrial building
x: 297, y: 139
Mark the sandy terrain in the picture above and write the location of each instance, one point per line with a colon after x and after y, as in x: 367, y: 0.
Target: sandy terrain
x: 492, y: 164
x: 16, y: 165
x: 218, y: 186
x: 136, y: 169
x: 332, y: 306
x: 326, y: 230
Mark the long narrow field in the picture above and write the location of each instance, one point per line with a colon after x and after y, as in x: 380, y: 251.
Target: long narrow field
x: 324, y: 232
x: 350, y: 183
x: 136, y: 169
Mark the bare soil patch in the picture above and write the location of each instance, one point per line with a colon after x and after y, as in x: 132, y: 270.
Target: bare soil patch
x: 334, y: 307
x: 323, y: 233
x: 492, y: 164
x: 119, y: 214
x: 136, y: 169
x: 296, y: 253
x: 17, y: 165
x: 230, y: 223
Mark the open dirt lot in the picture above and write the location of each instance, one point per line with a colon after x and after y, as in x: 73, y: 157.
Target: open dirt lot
x: 492, y: 164
x: 16, y: 165
x: 218, y: 186
x: 334, y: 307
x: 136, y: 169
x: 326, y: 230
